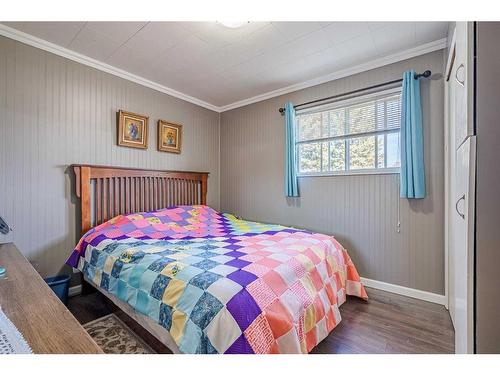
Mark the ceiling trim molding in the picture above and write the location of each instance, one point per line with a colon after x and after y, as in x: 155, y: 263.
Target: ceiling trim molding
x: 42, y: 44
x: 382, y: 61
x: 33, y: 41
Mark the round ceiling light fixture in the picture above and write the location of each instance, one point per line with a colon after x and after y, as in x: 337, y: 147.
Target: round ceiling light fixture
x: 233, y: 24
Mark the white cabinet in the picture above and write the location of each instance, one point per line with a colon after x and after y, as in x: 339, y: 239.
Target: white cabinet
x: 461, y: 78
x: 460, y: 182
x: 461, y: 256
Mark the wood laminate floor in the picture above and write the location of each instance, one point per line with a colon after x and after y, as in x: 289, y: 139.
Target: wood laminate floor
x: 387, y: 323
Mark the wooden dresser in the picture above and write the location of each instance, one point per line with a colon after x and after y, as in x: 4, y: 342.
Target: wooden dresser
x: 46, y: 324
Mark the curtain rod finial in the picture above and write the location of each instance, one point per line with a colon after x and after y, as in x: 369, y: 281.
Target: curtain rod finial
x: 425, y: 74
x: 282, y: 111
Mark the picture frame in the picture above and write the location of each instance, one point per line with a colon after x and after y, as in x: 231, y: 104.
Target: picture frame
x: 132, y: 130
x: 169, y: 137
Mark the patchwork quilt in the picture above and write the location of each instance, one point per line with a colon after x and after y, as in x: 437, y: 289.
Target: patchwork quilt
x: 219, y: 284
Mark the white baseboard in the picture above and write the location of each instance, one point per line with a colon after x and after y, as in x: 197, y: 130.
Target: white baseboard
x: 404, y: 291
x: 75, y: 290
x: 392, y: 288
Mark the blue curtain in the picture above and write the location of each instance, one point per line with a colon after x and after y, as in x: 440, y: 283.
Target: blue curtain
x: 291, y: 184
x: 412, y: 145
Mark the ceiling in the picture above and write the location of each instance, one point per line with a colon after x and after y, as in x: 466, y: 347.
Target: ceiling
x: 220, y: 65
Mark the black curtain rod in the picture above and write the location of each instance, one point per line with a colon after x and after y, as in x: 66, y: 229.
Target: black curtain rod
x: 425, y: 74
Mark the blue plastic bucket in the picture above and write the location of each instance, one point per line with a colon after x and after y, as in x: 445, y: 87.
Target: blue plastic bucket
x: 60, y: 286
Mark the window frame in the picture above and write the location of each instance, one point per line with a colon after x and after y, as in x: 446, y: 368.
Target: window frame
x: 346, y: 103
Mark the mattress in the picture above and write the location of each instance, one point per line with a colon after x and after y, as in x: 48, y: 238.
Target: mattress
x: 219, y: 284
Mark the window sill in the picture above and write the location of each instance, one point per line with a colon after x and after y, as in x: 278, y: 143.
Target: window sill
x: 359, y: 172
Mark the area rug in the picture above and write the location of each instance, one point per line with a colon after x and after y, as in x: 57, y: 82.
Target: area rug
x: 114, y: 337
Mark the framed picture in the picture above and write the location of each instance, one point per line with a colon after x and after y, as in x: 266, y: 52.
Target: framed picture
x: 169, y: 137
x: 132, y: 130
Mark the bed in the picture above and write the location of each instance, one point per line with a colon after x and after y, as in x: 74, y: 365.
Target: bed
x: 202, y: 281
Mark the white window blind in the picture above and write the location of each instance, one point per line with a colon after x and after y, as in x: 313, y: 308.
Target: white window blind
x: 352, y: 136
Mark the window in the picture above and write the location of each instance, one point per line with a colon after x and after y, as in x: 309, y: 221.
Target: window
x: 353, y: 136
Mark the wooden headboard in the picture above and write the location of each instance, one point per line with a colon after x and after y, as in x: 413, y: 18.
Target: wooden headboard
x: 106, y: 192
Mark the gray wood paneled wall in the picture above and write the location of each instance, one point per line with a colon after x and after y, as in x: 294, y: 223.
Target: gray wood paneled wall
x: 361, y: 211
x: 55, y: 112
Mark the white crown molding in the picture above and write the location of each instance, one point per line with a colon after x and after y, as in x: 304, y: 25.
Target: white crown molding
x: 33, y: 41
x: 386, y: 60
x: 404, y: 291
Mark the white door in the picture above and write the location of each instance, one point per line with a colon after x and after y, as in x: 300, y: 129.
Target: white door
x: 462, y: 251
x: 450, y: 159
